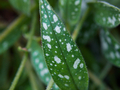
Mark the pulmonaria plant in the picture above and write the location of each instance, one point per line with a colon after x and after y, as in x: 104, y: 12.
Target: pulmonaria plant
x: 77, y: 38
x: 63, y: 58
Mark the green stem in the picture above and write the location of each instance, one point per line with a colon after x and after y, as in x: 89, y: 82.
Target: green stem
x: 12, y: 87
x: 12, y: 26
x: 105, y: 71
x: 33, y: 26
x: 31, y: 76
x: 68, y: 27
x: 78, y: 27
x: 50, y: 84
x: 26, y: 54
x: 97, y: 81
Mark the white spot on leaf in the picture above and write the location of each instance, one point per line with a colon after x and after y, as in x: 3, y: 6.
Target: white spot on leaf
x: 57, y: 59
x: 57, y: 29
x: 81, y: 65
x: 49, y: 46
x: 55, y: 18
x: 47, y: 38
x: 60, y: 75
x: 48, y: 7
x: 112, y: 20
x: 67, y: 77
x: 35, y: 53
x: 77, y: 2
x: 36, y: 60
x: 44, y: 71
x: 47, y: 54
x: 40, y: 65
x: 66, y: 84
x: 68, y: 47
x: 75, y: 65
x: 45, y: 26
x: 79, y: 77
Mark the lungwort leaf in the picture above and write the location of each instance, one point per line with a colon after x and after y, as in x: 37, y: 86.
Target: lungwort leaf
x: 39, y: 64
x: 110, y: 48
x: 21, y: 5
x: 106, y: 14
x: 62, y: 56
x: 70, y: 10
x: 9, y: 40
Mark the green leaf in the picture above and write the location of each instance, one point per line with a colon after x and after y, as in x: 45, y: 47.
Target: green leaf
x: 88, y: 30
x: 110, y: 48
x: 21, y: 5
x: 105, y: 14
x: 62, y: 56
x: 113, y: 2
x: 9, y: 40
x: 70, y: 10
x: 39, y: 64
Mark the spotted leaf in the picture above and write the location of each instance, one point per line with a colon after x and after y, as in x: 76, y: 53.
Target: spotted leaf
x: 63, y: 58
x: 21, y: 5
x: 105, y: 14
x: 9, y: 40
x: 70, y: 10
x: 110, y: 48
x: 39, y: 64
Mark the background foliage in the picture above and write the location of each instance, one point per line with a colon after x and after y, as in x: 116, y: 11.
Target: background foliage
x: 95, y: 30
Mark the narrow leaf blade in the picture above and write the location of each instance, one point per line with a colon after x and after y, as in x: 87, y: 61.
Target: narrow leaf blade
x: 106, y: 14
x: 63, y: 58
x: 70, y: 10
x: 110, y: 48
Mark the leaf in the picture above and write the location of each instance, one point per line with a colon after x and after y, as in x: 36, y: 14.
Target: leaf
x: 110, y: 48
x: 21, y: 5
x: 62, y: 56
x: 9, y: 40
x: 113, y: 2
x: 70, y: 10
x: 88, y: 30
x: 105, y: 14
x: 39, y: 64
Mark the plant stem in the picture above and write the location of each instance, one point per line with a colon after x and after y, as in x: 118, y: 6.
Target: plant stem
x: 97, y: 81
x: 78, y: 27
x: 31, y: 76
x: 26, y: 54
x: 33, y: 26
x: 12, y: 26
x: 105, y: 71
x: 50, y: 84
x: 68, y: 27
x: 12, y: 87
